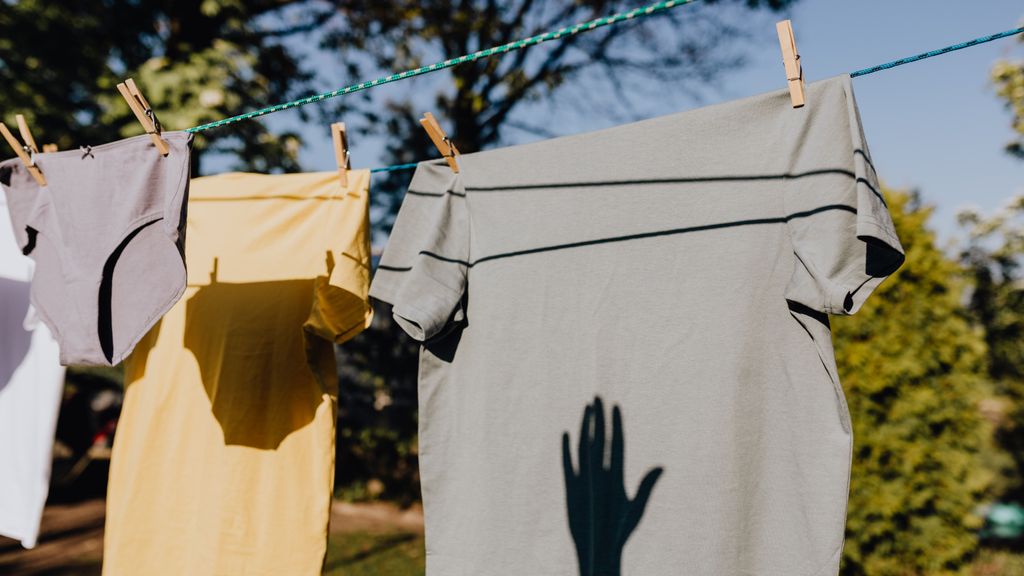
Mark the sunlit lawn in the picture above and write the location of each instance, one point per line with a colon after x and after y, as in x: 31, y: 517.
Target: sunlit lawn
x: 401, y: 554
x: 361, y: 554
x: 998, y: 563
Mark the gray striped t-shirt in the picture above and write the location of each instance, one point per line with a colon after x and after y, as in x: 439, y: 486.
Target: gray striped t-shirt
x: 627, y: 366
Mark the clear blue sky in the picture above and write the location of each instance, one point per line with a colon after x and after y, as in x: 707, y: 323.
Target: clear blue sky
x: 934, y: 125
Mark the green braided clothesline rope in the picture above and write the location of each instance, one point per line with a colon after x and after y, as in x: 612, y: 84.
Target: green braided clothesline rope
x: 517, y: 45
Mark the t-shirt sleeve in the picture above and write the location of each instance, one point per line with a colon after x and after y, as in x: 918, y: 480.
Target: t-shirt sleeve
x: 422, y: 272
x: 341, y: 301
x: 841, y: 230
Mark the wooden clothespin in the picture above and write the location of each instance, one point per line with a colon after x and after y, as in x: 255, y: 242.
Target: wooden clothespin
x: 28, y: 139
x: 441, y: 140
x: 143, y: 113
x: 791, y: 58
x: 23, y: 151
x: 26, y: 134
x: 341, y: 150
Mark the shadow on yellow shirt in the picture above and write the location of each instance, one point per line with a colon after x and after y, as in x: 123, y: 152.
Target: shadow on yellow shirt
x: 224, y: 457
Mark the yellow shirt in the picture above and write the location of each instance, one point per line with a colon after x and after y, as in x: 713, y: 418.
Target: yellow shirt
x: 223, y: 462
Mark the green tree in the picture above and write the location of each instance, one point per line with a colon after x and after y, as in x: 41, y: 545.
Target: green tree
x: 1009, y: 79
x: 992, y: 254
x: 377, y: 448
x: 610, y: 71
x: 201, y: 60
x: 913, y: 370
x: 992, y: 259
x: 195, y: 60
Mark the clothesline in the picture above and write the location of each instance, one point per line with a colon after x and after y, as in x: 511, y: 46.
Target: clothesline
x: 861, y: 72
x: 395, y: 167
x: 939, y: 52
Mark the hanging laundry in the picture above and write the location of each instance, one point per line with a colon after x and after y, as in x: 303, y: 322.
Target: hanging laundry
x: 106, y: 233
x: 31, y: 384
x: 223, y: 461
x: 627, y: 365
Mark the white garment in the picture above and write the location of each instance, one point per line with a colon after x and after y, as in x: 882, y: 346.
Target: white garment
x: 31, y: 384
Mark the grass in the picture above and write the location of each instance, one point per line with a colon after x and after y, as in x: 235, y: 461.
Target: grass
x: 998, y: 563
x: 362, y: 554
x: 85, y: 568
x: 358, y: 554
x: 402, y: 554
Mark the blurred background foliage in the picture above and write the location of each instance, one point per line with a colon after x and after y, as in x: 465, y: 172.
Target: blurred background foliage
x: 932, y: 366
x: 197, y: 60
x: 912, y: 364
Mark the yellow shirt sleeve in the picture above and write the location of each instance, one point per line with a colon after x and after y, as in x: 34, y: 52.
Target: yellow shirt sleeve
x: 341, y: 302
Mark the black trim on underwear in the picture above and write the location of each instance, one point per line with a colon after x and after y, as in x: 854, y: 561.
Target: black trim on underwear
x: 106, y: 321
x: 31, y: 245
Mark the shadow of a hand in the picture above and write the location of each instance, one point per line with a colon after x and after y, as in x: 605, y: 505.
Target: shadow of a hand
x: 601, y: 515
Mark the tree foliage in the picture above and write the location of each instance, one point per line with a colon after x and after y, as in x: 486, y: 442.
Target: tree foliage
x: 202, y: 60
x: 992, y: 255
x: 1009, y: 79
x: 196, y: 60
x: 912, y: 367
x: 609, y: 69
x: 377, y: 448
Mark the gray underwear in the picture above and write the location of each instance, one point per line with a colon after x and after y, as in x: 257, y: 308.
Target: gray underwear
x: 107, y: 234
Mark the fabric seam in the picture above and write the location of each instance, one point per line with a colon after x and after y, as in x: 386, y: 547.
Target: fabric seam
x: 179, y: 193
x: 174, y: 135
